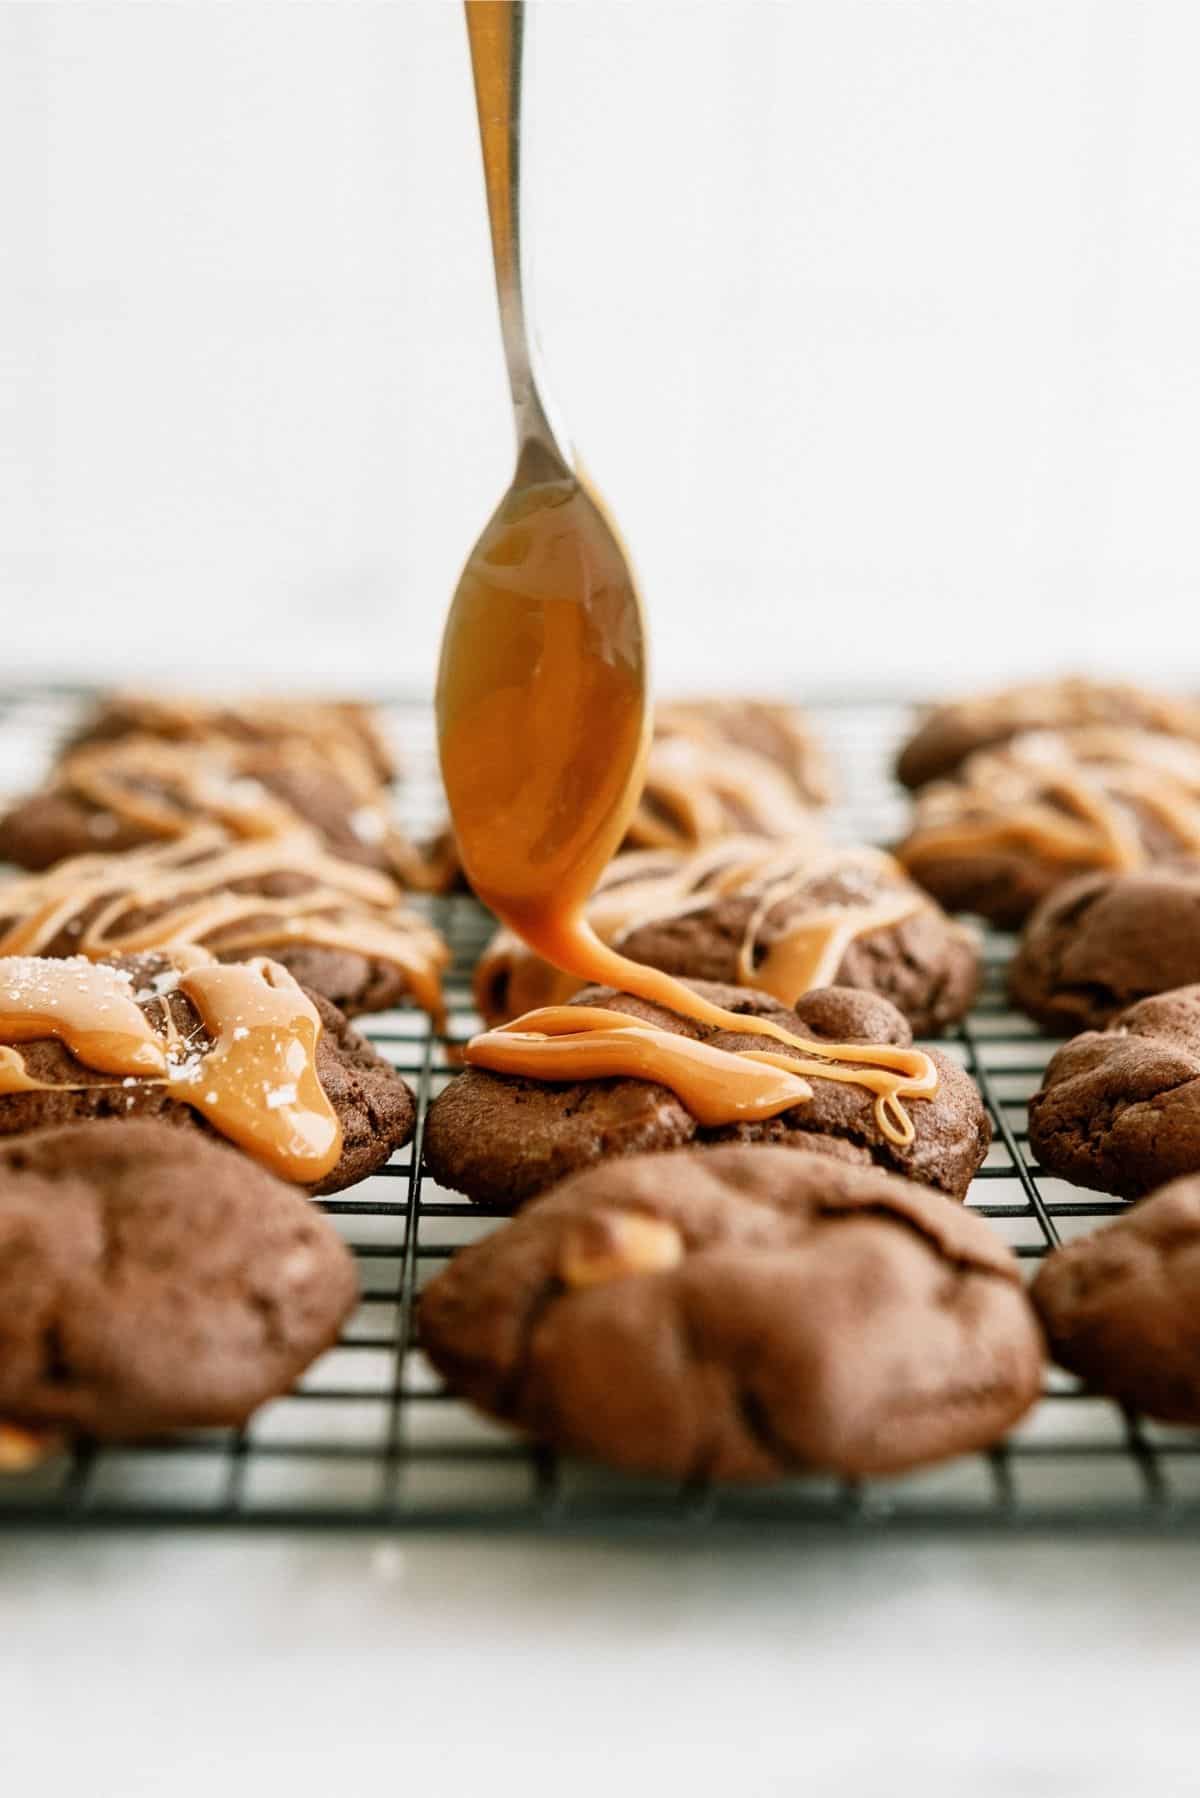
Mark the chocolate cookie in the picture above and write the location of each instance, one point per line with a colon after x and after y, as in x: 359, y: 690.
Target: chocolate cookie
x: 502, y: 1139
x: 1120, y: 1307
x: 717, y: 767
x: 1019, y: 821
x: 741, y: 1314
x: 1100, y: 943
x: 950, y: 733
x: 372, y: 1104
x: 752, y: 913
x: 329, y: 726
x: 340, y: 928
x: 1119, y: 1109
x: 151, y: 1280
x: 140, y: 790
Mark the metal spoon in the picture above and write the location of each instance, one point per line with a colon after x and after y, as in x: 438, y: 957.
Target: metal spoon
x: 542, y: 694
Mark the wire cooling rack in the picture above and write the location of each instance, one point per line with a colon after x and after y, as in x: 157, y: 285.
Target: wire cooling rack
x: 371, y: 1437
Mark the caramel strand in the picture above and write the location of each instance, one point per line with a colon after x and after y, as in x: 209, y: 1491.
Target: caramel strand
x: 653, y: 887
x: 718, y: 1086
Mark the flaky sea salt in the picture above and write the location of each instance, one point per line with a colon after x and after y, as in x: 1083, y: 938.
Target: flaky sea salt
x: 281, y: 1095
x: 367, y: 825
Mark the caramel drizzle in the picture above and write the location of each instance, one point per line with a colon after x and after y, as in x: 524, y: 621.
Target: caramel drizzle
x: 1076, y: 814
x: 804, y: 955
x: 22, y: 1448
x: 167, y: 789
x: 323, y: 724
x: 695, y: 788
x: 346, y: 906
x: 718, y: 1086
x: 256, y: 1082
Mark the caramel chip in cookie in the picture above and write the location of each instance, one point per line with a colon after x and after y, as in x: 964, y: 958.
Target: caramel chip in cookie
x: 741, y: 1314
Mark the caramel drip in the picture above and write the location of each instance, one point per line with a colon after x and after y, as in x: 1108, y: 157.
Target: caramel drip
x: 89, y: 1009
x: 804, y: 954
x: 166, y: 788
x: 718, y: 1086
x: 808, y: 953
x: 542, y: 731
x: 695, y: 789
x: 256, y: 1082
x: 188, y: 886
x: 1069, y: 798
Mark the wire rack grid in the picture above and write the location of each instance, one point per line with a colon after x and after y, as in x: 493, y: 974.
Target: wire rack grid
x: 370, y: 1437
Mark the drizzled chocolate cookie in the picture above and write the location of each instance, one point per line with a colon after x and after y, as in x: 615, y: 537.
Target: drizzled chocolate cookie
x: 951, y: 733
x: 328, y: 727
x: 154, y: 1280
x: 719, y: 767
x: 241, y: 1051
x: 340, y: 928
x: 783, y: 918
x: 741, y: 1314
x: 1018, y: 821
x: 503, y: 1138
x: 140, y: 790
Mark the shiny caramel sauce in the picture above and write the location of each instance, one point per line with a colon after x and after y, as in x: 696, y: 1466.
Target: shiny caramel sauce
x: 543, y: 728
x: 98, y: 904
x: 652, y: 887
x: 585, y: 1042
x: 254, y: 1076
x: 1074, y: 798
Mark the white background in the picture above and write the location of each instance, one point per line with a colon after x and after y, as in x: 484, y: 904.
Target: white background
x: 875, y: 319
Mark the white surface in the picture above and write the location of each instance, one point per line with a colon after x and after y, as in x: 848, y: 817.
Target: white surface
x: 876, y: 321
x: 1010, y: 1670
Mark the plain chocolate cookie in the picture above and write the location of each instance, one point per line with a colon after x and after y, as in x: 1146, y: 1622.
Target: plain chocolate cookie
x: 1018, y: 821
x: 153, y: 1280
x: 741, y: 1314
x: 950, y: 733
x: 502, y: 1139
x: 1104, y: 941
x: 1119, y: 1109
x: 1120, y: 1307
x: 374, y: 1106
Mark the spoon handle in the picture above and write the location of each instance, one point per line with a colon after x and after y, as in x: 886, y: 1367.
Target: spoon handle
x: 496, y: 30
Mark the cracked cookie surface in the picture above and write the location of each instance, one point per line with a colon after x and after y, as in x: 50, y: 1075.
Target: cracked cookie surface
x: 502, y: 1139
x: 1119, y: 1307
x: 741, y: 1314
x: 1102, y: 942
x: 151, y: 1279
x: 1119, y: 1109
